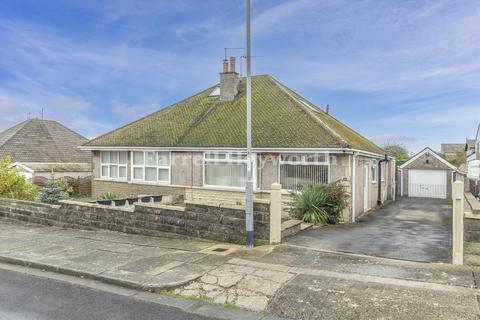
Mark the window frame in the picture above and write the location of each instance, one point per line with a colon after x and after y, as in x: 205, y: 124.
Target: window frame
x: 156, y: 166
x: 228, y: 159
x: 374, y: 170
x: 304, y: 163
x: 109, y: 164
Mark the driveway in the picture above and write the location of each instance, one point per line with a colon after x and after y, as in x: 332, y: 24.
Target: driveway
x: 417, y: 229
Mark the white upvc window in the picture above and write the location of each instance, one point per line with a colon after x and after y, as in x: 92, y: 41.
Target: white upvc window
x: 374, y: 171
x: 113, y: 165
x: 300, y: 170
x: 223, y: 169
x: 151, y: 166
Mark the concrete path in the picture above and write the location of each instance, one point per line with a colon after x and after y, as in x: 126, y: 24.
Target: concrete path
x: 150, y: 263
x: 409, y: 229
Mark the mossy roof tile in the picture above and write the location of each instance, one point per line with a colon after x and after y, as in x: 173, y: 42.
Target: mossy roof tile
x: 279, y: 120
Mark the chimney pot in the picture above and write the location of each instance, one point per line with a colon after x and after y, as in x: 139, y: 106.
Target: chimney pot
x: 233, y: 64
x: 225, y: 65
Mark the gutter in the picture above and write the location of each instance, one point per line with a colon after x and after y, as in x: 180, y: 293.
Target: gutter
x: 219, y: 149
x: 379, y: 197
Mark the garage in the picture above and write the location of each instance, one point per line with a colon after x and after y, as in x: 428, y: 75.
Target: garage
x: 427, y: 183
x: 426, y: 175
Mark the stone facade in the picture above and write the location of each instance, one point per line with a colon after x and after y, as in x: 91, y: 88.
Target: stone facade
x: 226, y: 224
x: 426, y: 161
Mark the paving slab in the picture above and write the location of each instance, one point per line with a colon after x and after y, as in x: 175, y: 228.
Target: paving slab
x: 152, y: 263
x: 285, y: 256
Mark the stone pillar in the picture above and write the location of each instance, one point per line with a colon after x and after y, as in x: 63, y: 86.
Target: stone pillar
x: 275, y: 213
x: 457, y: 223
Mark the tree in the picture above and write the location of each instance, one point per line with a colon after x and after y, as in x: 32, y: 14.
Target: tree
x: 13, y: 185
x: 52, y: 192
x: 399, y: 151
x: 458, y: 159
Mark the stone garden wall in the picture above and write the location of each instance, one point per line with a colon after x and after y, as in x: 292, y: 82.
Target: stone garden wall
x: 226, y: 224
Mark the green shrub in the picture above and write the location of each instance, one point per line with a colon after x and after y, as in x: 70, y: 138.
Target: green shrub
x: 52, y: 193
x: 13, y: 185
x: 109, y: 196
x: 320, y: 203
x: 65, y: 186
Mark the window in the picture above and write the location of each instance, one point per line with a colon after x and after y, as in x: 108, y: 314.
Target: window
x: 225, y: 169
x: 151, y: 166
x: 300, y: 170
x: 113, y: 165
x: 374, y: 170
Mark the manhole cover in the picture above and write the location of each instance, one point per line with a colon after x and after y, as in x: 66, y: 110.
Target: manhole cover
x: 219, y: 249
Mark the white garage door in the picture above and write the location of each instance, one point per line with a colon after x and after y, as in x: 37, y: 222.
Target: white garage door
x: 427, y: 183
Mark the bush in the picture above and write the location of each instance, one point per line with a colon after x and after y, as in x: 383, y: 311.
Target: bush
x: 66, y: 187
x: 13, y: 185
x: 109, y: 196
x: 52, y: 193
x: 320, y: 203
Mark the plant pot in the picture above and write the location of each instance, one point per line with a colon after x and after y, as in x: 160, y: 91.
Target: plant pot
x: 119, y: 202
x: 145, y: 199
x: 157, y: 198
x: 131, y: 201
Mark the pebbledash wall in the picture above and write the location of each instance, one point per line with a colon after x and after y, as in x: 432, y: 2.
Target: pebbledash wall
x: 226, y: 224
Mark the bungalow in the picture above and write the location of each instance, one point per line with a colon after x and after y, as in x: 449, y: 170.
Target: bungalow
x: 195, y: 149
x: 42, y: 148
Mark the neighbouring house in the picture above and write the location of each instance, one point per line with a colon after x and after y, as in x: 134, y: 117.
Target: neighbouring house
x: 472, y: 149
x: 452, y: 149
x: 42, y: 148
x: 195, y: 149
x: 428, y: 175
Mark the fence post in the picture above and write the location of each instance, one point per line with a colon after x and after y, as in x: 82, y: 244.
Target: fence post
x: 457, y: 223
x: 275, y: 213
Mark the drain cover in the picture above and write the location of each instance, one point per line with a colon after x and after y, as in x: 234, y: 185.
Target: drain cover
x: 219, y: 249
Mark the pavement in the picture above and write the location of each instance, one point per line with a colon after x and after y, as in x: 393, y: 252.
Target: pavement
x: 416, y: 229
x: 284, y: 281
x: 149, y: 263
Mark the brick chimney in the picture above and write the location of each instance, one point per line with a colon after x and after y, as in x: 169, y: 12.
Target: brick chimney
x: 229, y: 80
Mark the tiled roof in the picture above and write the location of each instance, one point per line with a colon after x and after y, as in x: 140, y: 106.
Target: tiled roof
x: 37, y: 140
x: 280, y: 119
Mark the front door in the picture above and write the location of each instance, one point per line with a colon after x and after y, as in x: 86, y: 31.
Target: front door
x: 366, y: 179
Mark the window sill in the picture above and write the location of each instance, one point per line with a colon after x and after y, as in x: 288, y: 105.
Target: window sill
x: 111, y: 180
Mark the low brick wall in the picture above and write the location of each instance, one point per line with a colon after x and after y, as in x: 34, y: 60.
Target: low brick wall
x: 226, y: 224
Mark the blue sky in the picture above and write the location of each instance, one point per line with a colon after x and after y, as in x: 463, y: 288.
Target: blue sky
x: 398, y: 71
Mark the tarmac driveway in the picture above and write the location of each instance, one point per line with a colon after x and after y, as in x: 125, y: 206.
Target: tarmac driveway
x: 417, y: 229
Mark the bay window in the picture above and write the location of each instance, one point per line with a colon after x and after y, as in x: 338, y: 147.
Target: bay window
x: 225, y: 169
x: 151, y: 166
x: 300, y: 170
x: 113, y: 165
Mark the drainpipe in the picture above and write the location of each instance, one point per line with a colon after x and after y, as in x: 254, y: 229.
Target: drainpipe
x: 379, y: 198
x: 353, y: 180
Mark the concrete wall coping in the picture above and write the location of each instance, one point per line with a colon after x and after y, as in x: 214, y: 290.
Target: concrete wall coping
x: 46, y: 205
x: 95, y: 205
x: 228, y: 206
x: 160, y: 206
